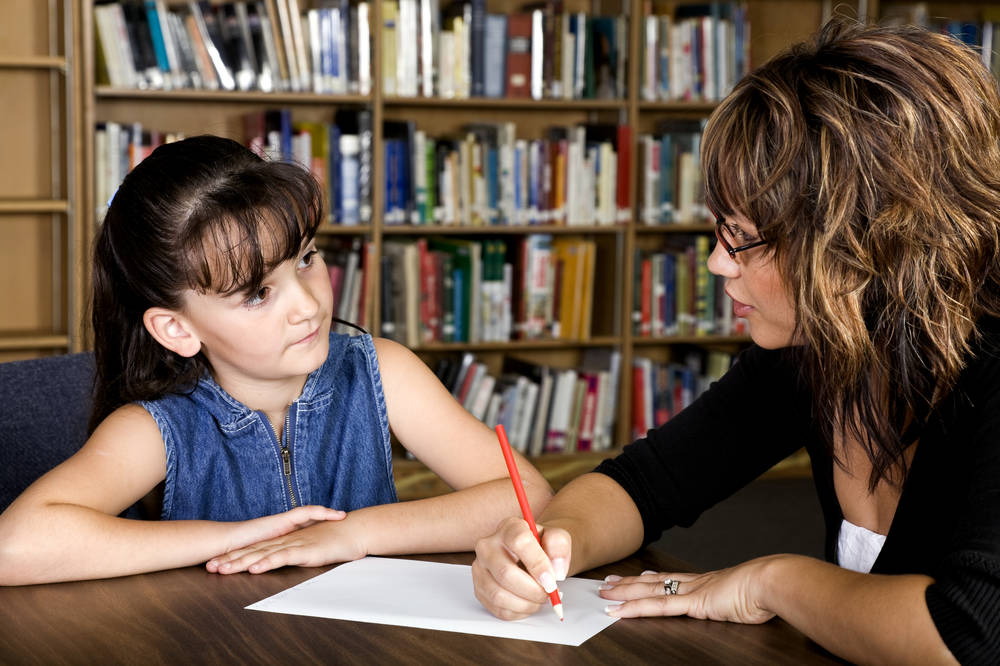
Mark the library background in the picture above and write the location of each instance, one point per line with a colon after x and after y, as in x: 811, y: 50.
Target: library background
x: 513, y: 187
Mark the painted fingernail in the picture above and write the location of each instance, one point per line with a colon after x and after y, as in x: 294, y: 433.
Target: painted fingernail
x: 548, y: 582
x: 612, y: 610
x: 561, y: 567
x: 606, y: 587
x: 612, y: 578
x: 647, y: 571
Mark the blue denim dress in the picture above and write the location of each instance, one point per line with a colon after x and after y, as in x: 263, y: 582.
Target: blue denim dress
x: 224, y: 461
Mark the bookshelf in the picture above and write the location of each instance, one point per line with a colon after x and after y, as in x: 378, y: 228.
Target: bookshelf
x: 40, y: 256
x: 775, y: 23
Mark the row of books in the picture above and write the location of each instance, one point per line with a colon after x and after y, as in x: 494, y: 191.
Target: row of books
x: 270, y: 46
x: 676, y: 294
x: 672, y: 190
x: 491, y: 290
x: 461, y: 50
x: 337, y: 153
x: 543, y: 409
x: 347, y: 261
x: 696, y: 53
x: 982, y: 34
x: 487, y: 176
x: 661, y: 390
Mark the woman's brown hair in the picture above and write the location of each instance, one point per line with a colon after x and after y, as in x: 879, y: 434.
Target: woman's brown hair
x: 869, y: 159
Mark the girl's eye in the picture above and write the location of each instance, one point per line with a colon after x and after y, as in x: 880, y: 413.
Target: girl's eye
x: 257, y: 298
x: 307, y: 259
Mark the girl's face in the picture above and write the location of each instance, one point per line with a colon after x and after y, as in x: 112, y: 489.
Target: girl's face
x: 753, y: 282
x: 273, y: 337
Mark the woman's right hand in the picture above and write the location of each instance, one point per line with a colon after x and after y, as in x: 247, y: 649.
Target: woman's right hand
x: 501, y: 585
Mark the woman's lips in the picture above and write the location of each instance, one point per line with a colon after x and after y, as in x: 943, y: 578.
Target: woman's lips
x: 741, y: 309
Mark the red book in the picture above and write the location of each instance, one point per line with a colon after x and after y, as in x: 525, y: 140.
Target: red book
x: 519, y: 55
x: 624, y: 145
x: 337, y: 282
x: 428, y: 293
x: 588, y: 414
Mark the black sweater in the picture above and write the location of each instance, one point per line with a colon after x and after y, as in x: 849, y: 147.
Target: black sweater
x: 947, y: 523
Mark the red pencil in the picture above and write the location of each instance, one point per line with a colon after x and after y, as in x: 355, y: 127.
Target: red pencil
x: 522, y: 499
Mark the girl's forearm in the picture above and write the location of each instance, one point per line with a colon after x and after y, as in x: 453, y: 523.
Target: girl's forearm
x: 447, y: 523
x: 865, y: 618
x: 67, y: 542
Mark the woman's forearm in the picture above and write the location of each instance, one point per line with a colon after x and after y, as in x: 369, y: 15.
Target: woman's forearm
x: 865, y: 618
x: 601, y: 518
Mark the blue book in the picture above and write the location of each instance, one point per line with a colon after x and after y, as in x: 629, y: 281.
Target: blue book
x: 477, y: 40
x: 393, y: 205
x: 458, y: 304
x: 668, y: 179
x: 495, y: 55
x: 156, y: 33
x: 493, y: 184
x: 333, y: 140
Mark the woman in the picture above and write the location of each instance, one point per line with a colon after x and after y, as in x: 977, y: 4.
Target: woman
x: 856, y: 183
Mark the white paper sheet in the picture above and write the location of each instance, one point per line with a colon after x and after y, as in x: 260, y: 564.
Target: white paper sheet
x: 430, y: 595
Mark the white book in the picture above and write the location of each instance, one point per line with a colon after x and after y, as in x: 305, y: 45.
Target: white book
x: 406, y: 51
x: 288, y: 44
x: 649, y: 80
x: 507, y: 326
x: 536, y: 444
x: 562, y: 405
x: 177, y: 76
x: 340, y: 25
x: 316, y: 46
x: 226, y: 80
x: 269, y: 79
x: 364, y: 50
x: 429, y: 29
x: 601, y: 435
x: 537, y: 80
x: 568, y: 58
x: 493, y: 411
x: 709, y: 72
x: 526, y: 410
x: 446, y: 64
x: 484, y: 392
x: 347, y: 288
x: 478, y: 371
x: 419, y: 171
x: 299, y: 37
x: 580, y: 44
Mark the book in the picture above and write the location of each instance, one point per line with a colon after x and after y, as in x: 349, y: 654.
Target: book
x: 518, y: 55
x: 495, y: 54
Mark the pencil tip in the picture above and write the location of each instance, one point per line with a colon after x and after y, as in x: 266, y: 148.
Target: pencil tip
x: 559, y: 611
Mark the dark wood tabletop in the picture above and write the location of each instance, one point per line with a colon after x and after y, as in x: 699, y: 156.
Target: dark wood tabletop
x: 188, y: 616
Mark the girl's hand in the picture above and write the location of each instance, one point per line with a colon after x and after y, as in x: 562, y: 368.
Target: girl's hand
x: 291, y: 538
x: 730, y: 594
x: 503, y: 587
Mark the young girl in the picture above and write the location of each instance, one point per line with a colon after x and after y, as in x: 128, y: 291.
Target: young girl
x: 218, y: 376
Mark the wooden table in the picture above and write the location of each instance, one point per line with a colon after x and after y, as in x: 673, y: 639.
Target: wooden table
x: 187, y: 616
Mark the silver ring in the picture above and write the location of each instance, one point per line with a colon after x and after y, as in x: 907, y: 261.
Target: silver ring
x: 670, y: 586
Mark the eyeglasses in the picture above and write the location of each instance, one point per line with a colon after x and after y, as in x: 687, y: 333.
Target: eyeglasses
x: 725, y: 235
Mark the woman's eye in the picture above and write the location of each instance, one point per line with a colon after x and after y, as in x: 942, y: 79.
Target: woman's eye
x: 307, y: 258
x: 257, y: 298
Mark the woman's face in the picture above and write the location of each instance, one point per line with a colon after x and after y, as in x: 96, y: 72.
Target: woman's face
x: 753, y: 282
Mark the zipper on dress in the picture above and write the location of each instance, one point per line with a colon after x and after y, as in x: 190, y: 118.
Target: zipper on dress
x: 286, y: 454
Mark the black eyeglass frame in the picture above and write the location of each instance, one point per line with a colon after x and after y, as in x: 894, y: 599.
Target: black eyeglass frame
x: 730, y: 250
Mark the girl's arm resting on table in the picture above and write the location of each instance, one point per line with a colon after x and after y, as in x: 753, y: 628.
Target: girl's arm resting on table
x: 65, y: 525
x: 451, y: 442
x: 592, y: 521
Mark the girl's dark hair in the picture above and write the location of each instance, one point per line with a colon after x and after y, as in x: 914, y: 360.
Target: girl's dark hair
x: 203, y: 214
x: 869, y: 159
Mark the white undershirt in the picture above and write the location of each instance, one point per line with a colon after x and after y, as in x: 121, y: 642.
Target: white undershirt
x: 857, y: 547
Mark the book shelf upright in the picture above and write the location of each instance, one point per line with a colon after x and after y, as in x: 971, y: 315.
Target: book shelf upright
x: 196, y: 111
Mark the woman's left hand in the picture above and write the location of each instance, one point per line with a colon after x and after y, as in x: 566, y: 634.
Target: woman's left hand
x: 729, y: 594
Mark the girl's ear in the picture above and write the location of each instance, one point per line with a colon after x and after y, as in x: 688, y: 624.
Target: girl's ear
x: 172, y: 331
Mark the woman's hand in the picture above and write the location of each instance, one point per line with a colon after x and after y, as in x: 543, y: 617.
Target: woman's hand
x: 501, y: 585
x: 304, y: 536
x: 729, y: 594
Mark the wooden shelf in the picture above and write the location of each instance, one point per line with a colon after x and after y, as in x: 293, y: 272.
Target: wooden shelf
x: 9, y: 206
x: 11, y: 341
x: 600, y: 341
x: 676, y: 228
x: 690, y: 340
x: 507, y: 103
x: 700, y: 108
x: 189, y: 95
x: 499, y: 229
x: 343, y: 230
x: 33, y: 62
